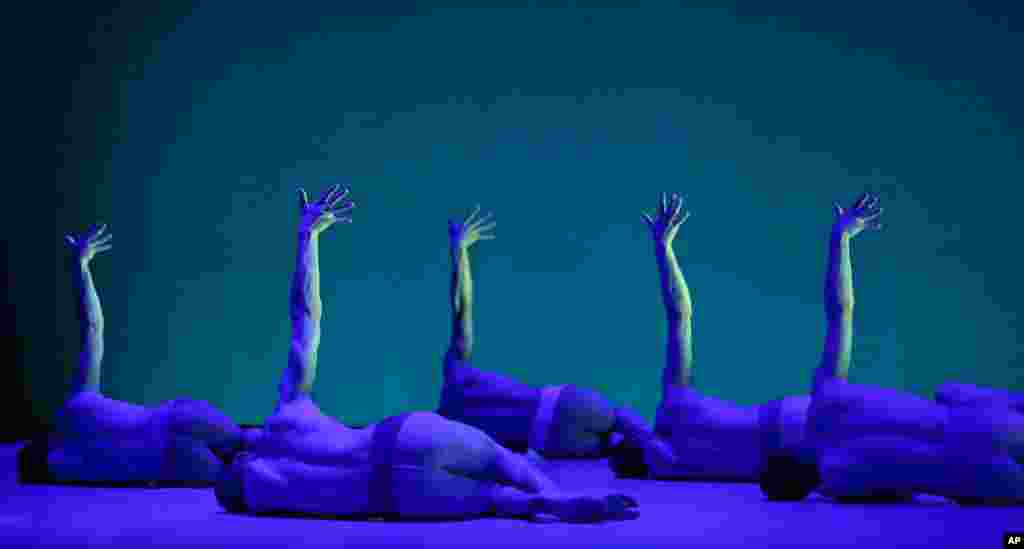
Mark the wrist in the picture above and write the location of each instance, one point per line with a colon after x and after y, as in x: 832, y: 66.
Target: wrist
x: 840, y: 234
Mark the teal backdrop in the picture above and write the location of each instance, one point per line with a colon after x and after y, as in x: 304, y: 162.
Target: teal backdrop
x: 188, y: 128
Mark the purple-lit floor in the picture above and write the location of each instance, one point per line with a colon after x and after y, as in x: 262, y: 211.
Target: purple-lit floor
x: 672, y: 515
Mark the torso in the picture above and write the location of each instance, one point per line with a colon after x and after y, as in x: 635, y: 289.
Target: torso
x: 300, y: 431
x: 90, y: 416
x: 843, y: 411
x: 99, y: 439
x: 712, y: 438
x: 498, y: 405
x: 874, y: 440
x: 308, y: 462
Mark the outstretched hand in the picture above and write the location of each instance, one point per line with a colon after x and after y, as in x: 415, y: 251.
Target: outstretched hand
x: 332, y: 208
x: 666, y: 221
x: 472, y: 229
x: 862, y: 215
x: 86, y: 245
x: 593, y: 508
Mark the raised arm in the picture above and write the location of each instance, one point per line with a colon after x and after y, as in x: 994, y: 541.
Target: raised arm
x: 316, y: 217
x: 461, y: 236
x: 90, y: 315
x: 835, y: 360
x: 674, y: 292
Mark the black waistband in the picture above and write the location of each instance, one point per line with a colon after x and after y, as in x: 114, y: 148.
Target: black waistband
x: 385, y: 436
x: 566, y: 399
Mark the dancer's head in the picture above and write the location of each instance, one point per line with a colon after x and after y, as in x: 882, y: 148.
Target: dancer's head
x: 789, y: 476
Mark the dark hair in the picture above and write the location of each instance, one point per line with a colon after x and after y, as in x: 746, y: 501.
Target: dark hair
x: 627, y: 461
x: 32, y: 461
x: 786, y: 476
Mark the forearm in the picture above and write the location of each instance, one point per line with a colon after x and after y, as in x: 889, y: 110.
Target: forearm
x: 305, y: 317
x: 636, y: 431
x: 839, y: 304
x: 90, y: 315
x: 462, y: 304
x: 679, y: 312
x: 678, y: 355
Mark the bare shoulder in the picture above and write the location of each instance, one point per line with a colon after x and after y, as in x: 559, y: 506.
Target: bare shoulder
x: 688, y: 402
x: 300, y: 415
x: 318, y: 443
x: 859, y: 410
x: 852, y: 395
x: 427, y: 423
x: 90, y: 412
x: 466, y: 376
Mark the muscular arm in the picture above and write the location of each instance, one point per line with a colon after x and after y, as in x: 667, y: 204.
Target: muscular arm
x: 305, y: 308
x: 90, y: 314
x: 90, y: 318
x: 461, y: 236
x: 835, y: 359
x: 305, y: 305
x: 461, y: 346
x: 678, y: 311
x: 675, y: 294
x: 839, y: 302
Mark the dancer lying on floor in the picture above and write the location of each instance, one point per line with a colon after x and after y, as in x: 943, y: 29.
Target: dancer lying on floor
x: 873, y: 443
x: 556, y: 421
x: 712, y: 439
x: 1002, y: 415
x: 106, y: 441
x: 413, y: 466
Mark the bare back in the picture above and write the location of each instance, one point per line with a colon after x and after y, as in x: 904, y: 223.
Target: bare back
x: 308, y: 462
x: 496, y: 404
x: 711, y: 437
x: 89, y: 415
x: 100, y: 439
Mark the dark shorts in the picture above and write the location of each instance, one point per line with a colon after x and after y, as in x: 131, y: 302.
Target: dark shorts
x: 787, y: 472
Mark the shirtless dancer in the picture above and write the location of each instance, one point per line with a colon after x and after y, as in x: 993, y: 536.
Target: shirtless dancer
x: 874, y: 443
x: 556, y: 421
x: 417, y: 465
x: 963, y: 394
x: 100, y: 440
x: 712, y: 439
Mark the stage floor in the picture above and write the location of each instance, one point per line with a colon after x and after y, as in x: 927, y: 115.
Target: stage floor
x: 672, y: 515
